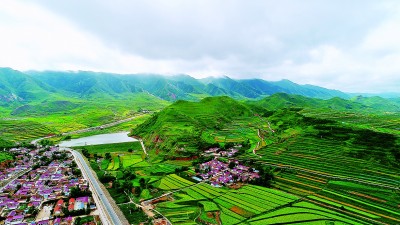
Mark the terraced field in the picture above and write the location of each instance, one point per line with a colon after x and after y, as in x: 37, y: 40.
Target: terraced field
x: 319, y: 170
x: 329, y: 167
x: 388, y: 122
x: 249, y: 204
x: 23, y: 130
x: 128, y: 160
x: 173, y: 182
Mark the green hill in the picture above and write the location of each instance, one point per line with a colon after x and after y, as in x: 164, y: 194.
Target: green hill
x: 379, y: 103
x: 91, y: 84
x: 358, y: 104
x: 308, y: 90
x: 17, y: 88
x: 183, y: 128
x: 181, y: 125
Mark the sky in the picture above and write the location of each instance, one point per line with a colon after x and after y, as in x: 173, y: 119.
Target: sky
x: 353, y: 46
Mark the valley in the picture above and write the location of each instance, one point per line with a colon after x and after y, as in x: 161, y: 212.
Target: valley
x: 276, y: 159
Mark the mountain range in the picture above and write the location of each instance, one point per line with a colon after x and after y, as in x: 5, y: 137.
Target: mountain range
x: 52, y: 90
x: 25, y: 87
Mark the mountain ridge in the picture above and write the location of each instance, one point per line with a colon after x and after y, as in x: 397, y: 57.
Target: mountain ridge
x: 21, y: 88
x: 87, y: 84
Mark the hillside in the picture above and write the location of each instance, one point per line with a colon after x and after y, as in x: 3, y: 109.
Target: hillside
x: 192, y: 124
x: 90, y: 84
x: 64, y: 101
x: 182, y: 124
x: 356, y: 104
x: 17, y: 88
x: 318, y: 150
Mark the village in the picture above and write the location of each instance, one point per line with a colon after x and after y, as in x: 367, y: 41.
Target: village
x: 44, y: 186
x: 223, y: 169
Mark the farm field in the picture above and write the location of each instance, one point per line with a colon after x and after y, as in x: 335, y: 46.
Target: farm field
x: 247, y: 205
x: 114, y: 148
x: 329, y: 173
x: 325, y: 170
x: 5, y: 156
x: 23, y: 130
x: 39, y: 119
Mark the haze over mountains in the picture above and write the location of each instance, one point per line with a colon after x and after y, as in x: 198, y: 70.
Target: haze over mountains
x: 16, y: 86
x: 35, y: 91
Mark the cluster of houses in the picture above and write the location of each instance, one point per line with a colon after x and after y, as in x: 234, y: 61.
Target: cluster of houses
x: 11, y: 168
x: 221, y: 173
x: 216, y: 152
x: 42, y: 196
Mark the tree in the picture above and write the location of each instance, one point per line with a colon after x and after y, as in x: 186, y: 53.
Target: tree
x: 232, y: 165
x: 138, y: 190
x: 46, y: 142
x: 77, y: 172
x: 73, y: 164
x: 127, y: 185
x: 229, y: 145
x: 142, y: 182
x: 108, y: 155
x: 130, y: 150
x: 85, y: 152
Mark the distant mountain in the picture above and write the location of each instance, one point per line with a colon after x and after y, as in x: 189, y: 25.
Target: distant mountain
x: 17, y: 87
x: 383, y: 95
x: 171, y: 88
x: 379, y: 103
x: 308, y: 90
x: 23, y: 88
x: 360, y: 104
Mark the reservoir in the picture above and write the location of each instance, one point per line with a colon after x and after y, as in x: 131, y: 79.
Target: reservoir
x: 99, y: 140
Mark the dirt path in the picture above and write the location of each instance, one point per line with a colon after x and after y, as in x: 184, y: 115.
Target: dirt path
x: 143, y: 147
x: 259, y: 135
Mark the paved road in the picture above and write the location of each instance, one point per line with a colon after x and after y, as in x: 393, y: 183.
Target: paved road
x: 104, y: 205
x: 101, y: 126
x: 4, y: 183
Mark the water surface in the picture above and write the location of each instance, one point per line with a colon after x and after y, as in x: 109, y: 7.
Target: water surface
x: 99, y: 140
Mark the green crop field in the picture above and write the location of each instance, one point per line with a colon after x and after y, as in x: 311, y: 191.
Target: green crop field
x: 114, y: 148
x: 328, y: 167
x: 172, y: 182
x: 130, y: 159
x: 23, y: 130
x: 5, y: 156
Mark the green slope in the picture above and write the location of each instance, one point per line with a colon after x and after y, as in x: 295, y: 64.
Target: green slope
x: 181, y: 124
x: 17, y: 88
x: 358, y: 104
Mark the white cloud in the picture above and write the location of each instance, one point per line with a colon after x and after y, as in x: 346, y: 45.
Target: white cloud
x: 351, y: 46
x: 34, y: 38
